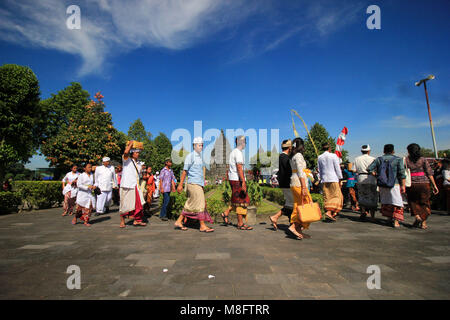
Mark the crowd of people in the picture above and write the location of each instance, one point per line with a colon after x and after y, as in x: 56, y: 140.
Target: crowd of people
x: 388, y: 179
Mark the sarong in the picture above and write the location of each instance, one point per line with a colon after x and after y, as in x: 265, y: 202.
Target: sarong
x: 391, y: 203
x: 419, y: 199
x: 194, y: 208
x: 299, y: 200
x: 288, y: 202
x: 367, y: 195
x: 83, y: 213
x: 69, y: 203
x: 352, y: 194
x: 332, y: 197
x: 239, y: 198
x: 131, y: 203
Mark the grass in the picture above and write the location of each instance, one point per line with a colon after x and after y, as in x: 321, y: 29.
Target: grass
x: 264, y: 208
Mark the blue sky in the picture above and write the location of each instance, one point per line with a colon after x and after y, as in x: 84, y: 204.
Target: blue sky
x: 245, y: 64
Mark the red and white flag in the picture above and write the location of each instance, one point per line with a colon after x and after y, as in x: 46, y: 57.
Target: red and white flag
x: 340, y: 142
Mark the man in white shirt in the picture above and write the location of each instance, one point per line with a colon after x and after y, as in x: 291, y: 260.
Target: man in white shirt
x: 105, y: 179
x: 239, y: 195
x: 131, y: 197
x: 330, y: 174
x: 366, y: 183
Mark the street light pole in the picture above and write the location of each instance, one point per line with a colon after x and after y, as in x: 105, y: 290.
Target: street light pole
x: 431, y: 121
x: 424, y: 81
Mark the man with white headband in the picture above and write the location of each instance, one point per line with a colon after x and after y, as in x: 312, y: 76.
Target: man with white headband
x: 105, y: 179
x: 366, y: 183
x: 195, y: 206
x: 131, y: 197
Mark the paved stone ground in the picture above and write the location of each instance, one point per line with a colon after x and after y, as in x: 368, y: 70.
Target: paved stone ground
x: 37, y: 247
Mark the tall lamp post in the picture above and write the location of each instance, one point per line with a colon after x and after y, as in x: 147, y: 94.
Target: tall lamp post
x: 424, y: 81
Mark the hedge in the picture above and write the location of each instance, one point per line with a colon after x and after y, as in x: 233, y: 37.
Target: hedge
x: 276, y: 195
x: 9, y: 201
x: 177, y: 201
x: 39, y: 194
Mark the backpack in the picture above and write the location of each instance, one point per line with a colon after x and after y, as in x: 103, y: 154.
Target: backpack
x: 386, y: 176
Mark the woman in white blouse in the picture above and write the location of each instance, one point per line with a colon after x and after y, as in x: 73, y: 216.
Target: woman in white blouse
x: 69, y: 186
x: 85, y: 198
x: 299, y: 187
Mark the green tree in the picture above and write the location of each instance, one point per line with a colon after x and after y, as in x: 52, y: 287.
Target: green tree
x: 21, y: 115
x: 89, y: 136
x: 320, y: 136
x: 137, y: 132
x: 66, y: 104
x: 162, y: 150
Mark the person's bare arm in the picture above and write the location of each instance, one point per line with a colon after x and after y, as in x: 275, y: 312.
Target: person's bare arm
x: 180, y: 186
x: 126, y: 153
x: 240, y: 169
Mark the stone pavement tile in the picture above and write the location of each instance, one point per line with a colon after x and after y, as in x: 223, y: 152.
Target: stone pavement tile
x: 212, y: 256
x: 143, y: 290
x: 309, y: 289
x: 211, y: 290
x: 36, y: 246
x: 276, y: 278
x: 440, y: 248
x: 362, y: 268
x: 267, y: 290
x: 61, y: 243
x: 439, y: 259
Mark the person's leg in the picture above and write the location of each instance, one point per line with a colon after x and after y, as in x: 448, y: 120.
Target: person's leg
x: 204, y: 227
x: 179, y: 223
x: 225, y: 214
x: 108, y: 200
x: 166, y: 198
x: 66, y: 203
x: 101, y: 199
x: 241, y: 224
x: 294, y: 228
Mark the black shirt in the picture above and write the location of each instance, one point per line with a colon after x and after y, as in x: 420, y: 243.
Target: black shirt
x: 284, y: 171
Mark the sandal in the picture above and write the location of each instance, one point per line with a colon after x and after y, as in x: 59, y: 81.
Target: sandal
x: 330, y: 217
x: 298, y: 237
x: 183, y: 228
x: 225, y: 219
x: 122, y: 226
x: 244, y: 227
x: 273, y: 224
x: 207, y: 230
x: 139, y: 223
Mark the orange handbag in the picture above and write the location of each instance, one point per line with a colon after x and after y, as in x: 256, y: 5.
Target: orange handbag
x: 310, y: 212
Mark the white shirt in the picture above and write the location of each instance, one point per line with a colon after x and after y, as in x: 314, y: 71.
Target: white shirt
x: 361, y: 164
x: 130, y: 177
x: 68, y: 179
x: 329, y: 168
x: 85, y: 197
x: 446, y: 175
x: 236, y: 157
x: 298, y: 164
x: 105, y: 178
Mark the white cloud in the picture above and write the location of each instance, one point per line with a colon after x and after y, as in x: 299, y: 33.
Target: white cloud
x: 402, y: 121
x: 110, y: 27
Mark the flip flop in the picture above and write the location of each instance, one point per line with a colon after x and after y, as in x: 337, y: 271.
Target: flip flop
x: 207, y: 230
x: 227, y: 218
x: 273, y: 224
x: 331, y: 218
x: 244, y: 227
x: 296, y: 236
x: 141, y: 224
x: 180, y: 228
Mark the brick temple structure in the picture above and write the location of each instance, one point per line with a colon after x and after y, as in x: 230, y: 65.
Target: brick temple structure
x: 219, y: 158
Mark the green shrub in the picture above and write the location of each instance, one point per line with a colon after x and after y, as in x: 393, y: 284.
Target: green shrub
x: 209, y: 187
x: 215, y: 208
x: 255, y: 193
x: 225, y: 187
x: 316, y: 197
x: 39, y: 194
x: 273, y: 195
x: 9, y: 201
x: 176, y: 204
